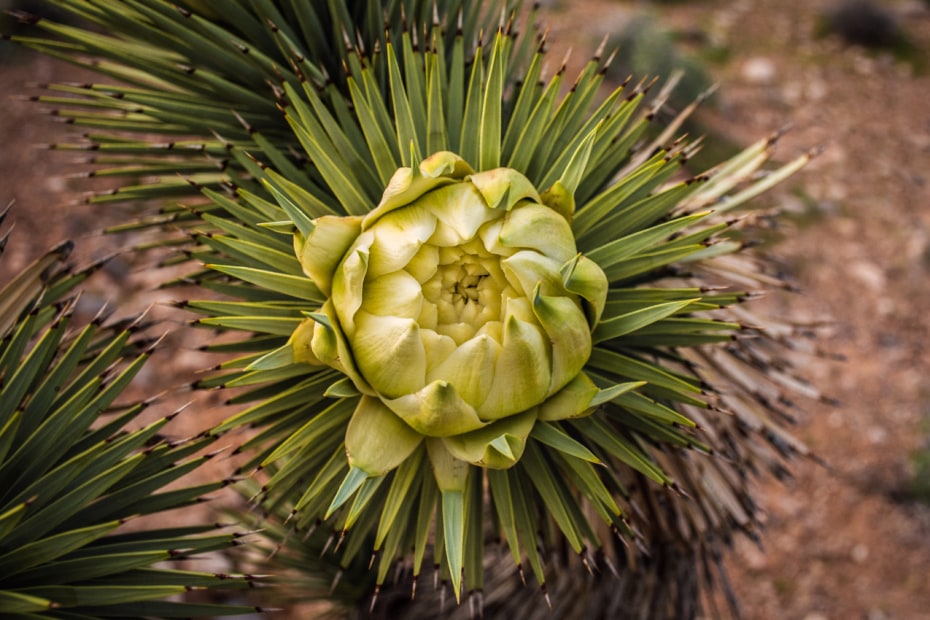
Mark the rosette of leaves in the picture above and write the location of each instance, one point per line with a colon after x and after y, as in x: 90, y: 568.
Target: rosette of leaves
x: 73, y: 474
x: 289, y: 136
x: 392, y: 443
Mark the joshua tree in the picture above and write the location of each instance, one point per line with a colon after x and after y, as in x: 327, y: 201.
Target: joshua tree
x: 487, y: 324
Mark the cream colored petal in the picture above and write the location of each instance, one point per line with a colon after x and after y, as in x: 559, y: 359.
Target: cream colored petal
x: 569, y: 336
x: 470, y: 369
x: 432, y: 289
x: 521, y: 375
x: 584, y: 277
x: 328, y: 345
x: 519, y: 308
x: 458, y: 332
x: 423, y: 264
x: 560, y: 200
x: 393, y: 294
x: 349, y: 282
x: 496, y: 446
x: 407, y: 184
x: 398, y: 237
x: 445, y: 164
x: 492, y: 329
x: 490, y: 238
x: 300, y: 342
x: 539, y: 228
x: 502, y: 188
x: 377, y: 441
x: 389, y: 353
x: 461, y: 212
x: 438, y: 347
x: 526, y: 269
x: 436, y: 411
x: 319, y: 254
x: 429, y: 316
x: 572, y: 401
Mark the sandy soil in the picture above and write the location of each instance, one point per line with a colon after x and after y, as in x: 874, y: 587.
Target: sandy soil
x: 848, y: 541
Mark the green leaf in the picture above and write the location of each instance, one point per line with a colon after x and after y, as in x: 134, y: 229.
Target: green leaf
x: 281, y: 326
x: 453, y: 529
x: 405, y: 481
x: 631, y: 245
x: 499, y: 483
x: 92, y: 567
x: 34, y: 553
x: 429, y: 494
x: 299, y: 287
x: 618, y: 326
x: 470, y: 139
x: 352, y: 483
x: 19, y: 603
x: 554, y: 495
x: 551, y: 434
x: 325, y: 422
x: 407, y: 138
x: 598, y: 431
x: 16, y: 296
x: 615, y: 391
x: 92, y: 596
x: 489, y: 126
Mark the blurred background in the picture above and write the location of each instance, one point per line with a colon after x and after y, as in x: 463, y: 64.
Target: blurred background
x: 848, y: 539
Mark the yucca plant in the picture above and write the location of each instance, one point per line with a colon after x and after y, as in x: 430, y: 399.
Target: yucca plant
x: 76, y: 481
x: 476, y: 308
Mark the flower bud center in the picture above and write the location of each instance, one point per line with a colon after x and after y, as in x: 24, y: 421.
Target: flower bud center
x: 465, y: 289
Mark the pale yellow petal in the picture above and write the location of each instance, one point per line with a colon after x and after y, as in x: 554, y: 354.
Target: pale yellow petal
x: 496, y: 446
x: 457, y: 331
x: 436, y: 411
x: 377, y: 441
x: 569, y: 336
x: 461, y: 212
x: 572, y: 401
x: 526, y: 269
x: 490, y: 238
x: 429, y: 316
x: 584, y: 277
x: 445, y: 164
x: 349, y: 282
x: 502, y: 188
x: 535, y: 227
x: 398, y: 237
x: 521, y: 374
x: 328, y: 345
x: 438, y: 347
x: 406, y: 185
x: 300, y: 342
x: 389, y: 353
x: 320, y: 253
x: 519, y: 308
x: 423, y: 264
x: 470, y: 369
x: 560, y: 199
x: 451, y: 474
x: 492, y: 329
x: 393, y: 294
